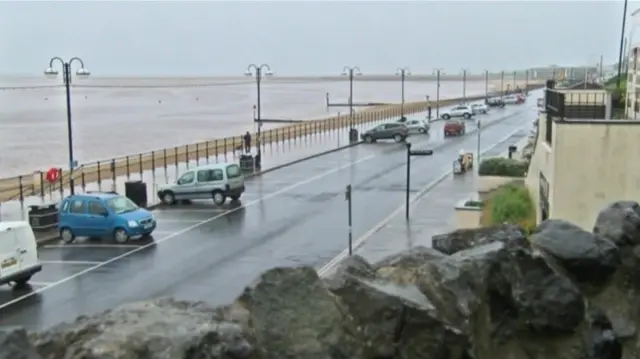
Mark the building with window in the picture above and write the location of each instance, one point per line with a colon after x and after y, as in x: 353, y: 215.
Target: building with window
x: 583, y: 159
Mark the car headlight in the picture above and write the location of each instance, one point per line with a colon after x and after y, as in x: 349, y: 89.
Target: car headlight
x: 132, y: 224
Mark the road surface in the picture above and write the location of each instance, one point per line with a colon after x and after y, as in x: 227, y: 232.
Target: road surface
x: 293, y: 216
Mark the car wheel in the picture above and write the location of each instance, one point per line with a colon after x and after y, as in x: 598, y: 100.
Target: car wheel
x: 168, y: 198
x: 219, y: 198
x: 22, y: 281
x: 67, y: 236
x: 368, y: 139
x: 398, y: 138
x: 422, y: 130
x: 120, y: 235
x: 446, y: 134
x: 466, y: 115
x: 446, y: 116
x: 484, y: 112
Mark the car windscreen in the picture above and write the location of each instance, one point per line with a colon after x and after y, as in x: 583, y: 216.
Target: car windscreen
x: 121, y: 204
x: 233, y: 171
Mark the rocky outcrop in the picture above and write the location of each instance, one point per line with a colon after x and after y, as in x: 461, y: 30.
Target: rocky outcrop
x: 560, y: 293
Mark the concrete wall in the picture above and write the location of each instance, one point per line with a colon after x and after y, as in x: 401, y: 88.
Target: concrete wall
x: 543, y: 162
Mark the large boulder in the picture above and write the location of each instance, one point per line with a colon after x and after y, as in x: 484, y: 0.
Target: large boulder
x: 589, y: 260
x: 15, y: 344
x: 462, y: 239
x: 163, y: 328
x: 292, y: 315
x: 620, y: 223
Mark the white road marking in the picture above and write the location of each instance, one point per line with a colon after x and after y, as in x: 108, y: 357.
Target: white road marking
x: 158, y: 213
x: 71, y: 246
x: 180, y: 232
x: 178, y: 220
x: 89, y: 263
x: 326, y: 269
x: 39, y: 284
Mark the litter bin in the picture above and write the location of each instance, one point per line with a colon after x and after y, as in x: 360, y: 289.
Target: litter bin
x: 136, y: 191
x: 353, y: 135
x: 247, y: 163
x: 43, y: 218
x: 512, y: 150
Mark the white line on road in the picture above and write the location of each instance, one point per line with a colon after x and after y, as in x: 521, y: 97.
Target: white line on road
x: 39, y: 284
x: 88, y: 263
x: 182, y: 231
x: 179, y: 210
x: 71, y: 246
x: 326, y: 269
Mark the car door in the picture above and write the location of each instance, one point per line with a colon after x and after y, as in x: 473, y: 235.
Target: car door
x: 9, y: 254
x: 377, y: 132
x: 207, y: 181
x: 456, y: 111
x: 98, y: 219
x: 186, y: 186
x: 78, y: 218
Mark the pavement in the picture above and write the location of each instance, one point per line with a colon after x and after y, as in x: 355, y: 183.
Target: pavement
x: 296, y: 215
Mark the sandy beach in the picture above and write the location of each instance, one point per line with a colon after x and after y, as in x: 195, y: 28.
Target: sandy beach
x: 117, y: 117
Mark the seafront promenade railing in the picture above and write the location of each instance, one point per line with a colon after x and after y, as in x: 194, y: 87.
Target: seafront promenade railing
x: 35, y: 184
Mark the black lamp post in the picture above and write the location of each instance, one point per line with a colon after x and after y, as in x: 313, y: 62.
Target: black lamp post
x: 255, y: 70
x: 66, y: 78
x: 351, y: 71
x: 464, y: 85
x: 403, y: 72
x: 438, y: 73
x: 624, y: 25
x: 410, y: 154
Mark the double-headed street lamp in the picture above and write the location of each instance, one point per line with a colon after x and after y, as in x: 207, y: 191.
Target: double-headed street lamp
x: 351, y: 71
x: 257, y: 72
x: 66, y: 78
x: 403, y: 72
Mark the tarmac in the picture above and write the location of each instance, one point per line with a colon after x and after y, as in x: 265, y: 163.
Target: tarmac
x: 296, y: 215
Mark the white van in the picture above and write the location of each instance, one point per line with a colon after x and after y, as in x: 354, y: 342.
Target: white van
x: 216, y: 181
x: 18, y: 253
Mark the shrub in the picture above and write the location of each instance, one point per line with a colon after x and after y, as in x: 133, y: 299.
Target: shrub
x: 512, y: 204
x: 477, y: 204
x: 502, y: 166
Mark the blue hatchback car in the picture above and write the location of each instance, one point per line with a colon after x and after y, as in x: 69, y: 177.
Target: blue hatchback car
x: 101, y: 215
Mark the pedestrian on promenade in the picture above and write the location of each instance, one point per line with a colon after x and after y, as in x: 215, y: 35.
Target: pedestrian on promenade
x: 247, y: 142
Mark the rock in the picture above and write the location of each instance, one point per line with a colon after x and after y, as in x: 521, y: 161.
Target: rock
x: 603, y: 343
x: 159, y: 329
x: 461, y: 239
x: 15, y: 344
x: 590, y: 261
x: 351, y: 266
x: 294, y: 316
x: 620, y: 223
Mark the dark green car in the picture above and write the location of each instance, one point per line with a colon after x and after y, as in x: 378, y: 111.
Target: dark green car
x: 389, y: 131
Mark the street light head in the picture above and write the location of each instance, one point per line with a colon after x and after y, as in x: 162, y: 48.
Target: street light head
x: 248, y: 73
x: 268, y: 73
x: 83, y: 72
x: 357, y: 73
x: 50, y: 72
x: 344, y: 73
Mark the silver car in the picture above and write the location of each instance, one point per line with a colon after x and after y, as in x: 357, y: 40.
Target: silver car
x: 417, y: 126
x: 216, y: 181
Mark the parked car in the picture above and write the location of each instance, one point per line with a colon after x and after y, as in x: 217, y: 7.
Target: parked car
x: 419, y: 126
x: 454, y: 128
x: 100, y: 215
x: 18, y: 253
x: 458, y: 111
x: 217, y: 181
x: 494, y: 102
x: 389, y: 131
x: 513, y: 99
x: 479, y: 108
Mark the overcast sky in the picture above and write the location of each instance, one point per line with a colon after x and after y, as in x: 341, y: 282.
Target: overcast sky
x: 306, y: 37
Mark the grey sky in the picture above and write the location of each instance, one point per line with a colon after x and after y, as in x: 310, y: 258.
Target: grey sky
x: 304, y: 37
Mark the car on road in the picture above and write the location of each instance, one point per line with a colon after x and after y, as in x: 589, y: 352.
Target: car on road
x: 388, y: 131
x: 417, y: 126
x: 478, y: 108
x: 216, y: 181
x: 458, y: 111
x: 18, y: 253
x: 494, y: 102
x: 454, y: 128
x: 101, y: 215
x: 513, y: 99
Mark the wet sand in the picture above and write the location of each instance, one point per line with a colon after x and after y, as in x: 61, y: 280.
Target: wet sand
x: 117, y: 117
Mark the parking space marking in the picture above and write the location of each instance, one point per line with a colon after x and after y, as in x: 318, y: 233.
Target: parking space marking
x: 90, y: 246
x: 188, y: 210
x: 178, y: 220
x: 39, y: 284
x: 88, y: 263
x: 186, y: 230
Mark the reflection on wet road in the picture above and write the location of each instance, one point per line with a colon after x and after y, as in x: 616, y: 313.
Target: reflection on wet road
x: 293, y: 216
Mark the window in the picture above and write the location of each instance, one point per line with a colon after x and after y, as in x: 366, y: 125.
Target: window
x: 98, y: 208
x: 187, y: 178
x: 65, y: 206
x: 233, y: 171
x: 78, y: 206
x: 210, y: 175
x: 379, y: 128
x: 393, y: 125
x: 122, y: 204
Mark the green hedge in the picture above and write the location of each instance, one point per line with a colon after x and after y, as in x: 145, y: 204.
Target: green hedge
x: 502, y: 166
x: 513, y: 204
x: 477, y: 204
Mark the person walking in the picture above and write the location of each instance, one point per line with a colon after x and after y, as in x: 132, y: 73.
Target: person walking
x: 247, y: 142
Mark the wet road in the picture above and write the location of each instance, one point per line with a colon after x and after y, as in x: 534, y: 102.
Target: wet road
x: 293, y: 216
